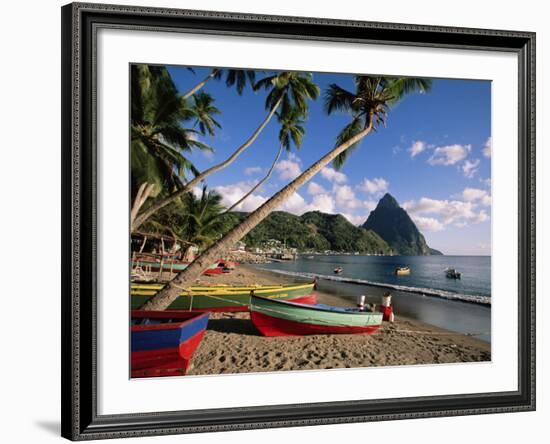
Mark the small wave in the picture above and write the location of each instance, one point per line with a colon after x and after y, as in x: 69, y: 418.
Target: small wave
x: 474, y: 299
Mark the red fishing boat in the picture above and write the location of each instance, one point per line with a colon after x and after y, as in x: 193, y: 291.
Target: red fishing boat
x: 283, y: 318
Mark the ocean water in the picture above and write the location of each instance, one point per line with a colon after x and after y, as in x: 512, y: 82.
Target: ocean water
x: 462, y: 305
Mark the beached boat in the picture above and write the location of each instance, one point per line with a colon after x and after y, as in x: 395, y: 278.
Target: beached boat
x: 338, y: 270
x: 451, y: 273
x: 228, y: 265
x: 163, y: 342
x: 283, y: 318
x: 402, y: 271
x: 174, y: 266
x: 226, y: 298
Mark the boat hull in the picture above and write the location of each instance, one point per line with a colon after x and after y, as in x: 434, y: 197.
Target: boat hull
x: 281, y: 318
x: 272, y: 326
x: 165, y: 349
x: 174, y: 267
x: 226, y: 299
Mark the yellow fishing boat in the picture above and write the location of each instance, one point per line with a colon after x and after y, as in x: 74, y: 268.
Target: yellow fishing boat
x: 402, y: 271
x: 224, y: 298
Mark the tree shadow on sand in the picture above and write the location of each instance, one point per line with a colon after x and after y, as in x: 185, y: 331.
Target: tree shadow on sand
x: 232, y: 325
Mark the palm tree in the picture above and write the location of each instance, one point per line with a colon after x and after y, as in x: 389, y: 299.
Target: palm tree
x: 287, y: 89
x: 196, y: 220
x: 204, y: 110
x: 205, y: 220
x: 370, y: 102
x: 159, y: 139
x: 292, y: 131
x: 237, y: 77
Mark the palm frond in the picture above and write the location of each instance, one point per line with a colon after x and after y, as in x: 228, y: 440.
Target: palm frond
x: 265, y: 83
x: 397, y: 88
x: 349, y: 131
x: 239, y: 78
x: 338, y: 99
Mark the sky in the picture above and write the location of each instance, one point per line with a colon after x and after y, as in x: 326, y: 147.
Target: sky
x: 434, y: 157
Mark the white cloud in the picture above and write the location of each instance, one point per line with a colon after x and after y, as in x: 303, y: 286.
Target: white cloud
x: 289, y: 169
x: 232, y: 193
x: 488, y: 147
x: 345, y: 197
x: 253, y: 170
x: 295, y: 204
x: 449, y: 155
x: 476, y: 195
x: 470, y: 167
x: 322, y: 202
x: 333, y: 176
x: 375, y: 186
x: 456, y: 212
x: 486, y: 182
x: 428, y: 223
x: 481, y: 217
x: 417, y: 147
x: 314, y: 188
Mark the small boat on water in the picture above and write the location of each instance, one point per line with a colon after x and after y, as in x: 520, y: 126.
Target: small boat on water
x: 338, y: 270
x: 451, y: 273
x: 283, y: 318
x: 402, y: 271
x: 224, y: 298
x: 163, y: 342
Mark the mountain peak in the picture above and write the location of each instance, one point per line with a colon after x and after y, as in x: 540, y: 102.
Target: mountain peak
x: 388, y: 201
x: 394, y: 225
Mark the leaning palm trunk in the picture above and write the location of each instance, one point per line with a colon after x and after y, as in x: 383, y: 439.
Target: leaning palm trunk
x: 260, y: 183
x: 184, y: 279
x: 141, y: 218
x: 143, y: 193
x: 201, y: 84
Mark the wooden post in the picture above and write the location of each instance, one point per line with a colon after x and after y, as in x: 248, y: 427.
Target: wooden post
x: 161, y: 266
x: 143, y: 244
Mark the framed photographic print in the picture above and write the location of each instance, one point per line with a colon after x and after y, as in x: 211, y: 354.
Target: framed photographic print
x: 278, y: 221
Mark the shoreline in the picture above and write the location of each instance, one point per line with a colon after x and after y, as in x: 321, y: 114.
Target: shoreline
x: 233, y: 345
x: 441, y: 294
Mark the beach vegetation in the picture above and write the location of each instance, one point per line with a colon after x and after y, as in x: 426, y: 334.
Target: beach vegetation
x: 286, y: 91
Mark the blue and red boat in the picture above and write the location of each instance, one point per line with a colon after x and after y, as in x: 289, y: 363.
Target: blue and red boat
x: 163, y: 342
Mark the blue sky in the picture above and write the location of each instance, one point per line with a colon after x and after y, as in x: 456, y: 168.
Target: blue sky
x: 433, y: 157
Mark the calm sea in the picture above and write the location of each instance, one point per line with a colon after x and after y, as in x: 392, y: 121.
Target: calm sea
x: 462, y: 305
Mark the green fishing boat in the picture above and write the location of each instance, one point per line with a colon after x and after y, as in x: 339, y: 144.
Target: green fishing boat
x: 284, y: 318
x: 224, y: 298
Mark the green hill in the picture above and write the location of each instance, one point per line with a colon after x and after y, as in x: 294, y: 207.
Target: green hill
x: 388, y: 230
x: 343, y: 235
x: 314, y: 231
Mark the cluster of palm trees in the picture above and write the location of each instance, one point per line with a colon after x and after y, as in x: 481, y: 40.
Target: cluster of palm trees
x: 167, y: 125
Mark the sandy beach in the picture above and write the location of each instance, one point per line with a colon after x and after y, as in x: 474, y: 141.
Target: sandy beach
x: 233, y: 345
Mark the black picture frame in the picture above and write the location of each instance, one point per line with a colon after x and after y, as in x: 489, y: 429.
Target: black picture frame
x: 79, y: 170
